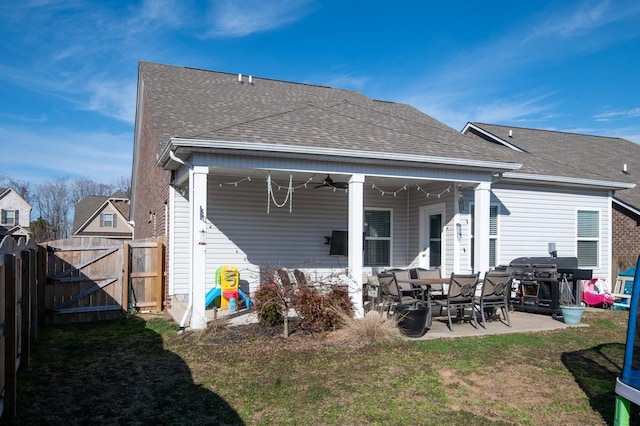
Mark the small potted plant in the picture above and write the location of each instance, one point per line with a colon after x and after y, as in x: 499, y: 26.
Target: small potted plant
x: 571, y: 311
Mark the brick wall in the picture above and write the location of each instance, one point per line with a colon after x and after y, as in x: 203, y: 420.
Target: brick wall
x: 151, y: 186
x: 626, y: 234
x: 626, y: 239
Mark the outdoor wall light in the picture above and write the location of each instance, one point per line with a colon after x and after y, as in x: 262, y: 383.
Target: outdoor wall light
x: 460, y: 202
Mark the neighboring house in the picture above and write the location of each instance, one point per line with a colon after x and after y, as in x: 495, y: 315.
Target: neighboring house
x: 235, y: 170
x: 604, y: 158
x: 15, y: 214
x: 104, y: 217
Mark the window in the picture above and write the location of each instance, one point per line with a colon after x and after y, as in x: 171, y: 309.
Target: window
x: 107, y: 220
x: 493, y: 235
x: 588, y: 238
x: 9, y: 217
x: 377, y: 237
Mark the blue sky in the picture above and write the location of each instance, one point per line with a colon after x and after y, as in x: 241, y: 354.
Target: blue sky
x: 69, y: 67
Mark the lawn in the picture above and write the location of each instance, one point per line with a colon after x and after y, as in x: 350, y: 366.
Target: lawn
x: 139, y: 371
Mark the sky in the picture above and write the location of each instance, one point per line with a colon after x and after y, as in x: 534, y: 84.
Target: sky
x: 69, y: 68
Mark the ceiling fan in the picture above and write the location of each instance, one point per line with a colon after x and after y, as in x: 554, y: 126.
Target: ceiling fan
x: 329, y: 183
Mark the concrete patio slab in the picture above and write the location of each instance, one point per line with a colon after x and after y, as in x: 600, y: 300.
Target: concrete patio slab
x: 521, y: 322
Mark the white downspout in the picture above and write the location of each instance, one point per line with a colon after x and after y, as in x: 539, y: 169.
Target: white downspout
x: 187, y: 311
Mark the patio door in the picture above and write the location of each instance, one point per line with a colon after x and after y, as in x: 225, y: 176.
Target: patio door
x: 432, y: 236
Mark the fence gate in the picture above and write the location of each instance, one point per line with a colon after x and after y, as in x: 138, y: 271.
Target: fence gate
x: 145, y: 266
x: 84, y: 280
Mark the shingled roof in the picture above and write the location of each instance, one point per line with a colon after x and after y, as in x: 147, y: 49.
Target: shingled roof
x: 199, y: 104
x: 89, y: 206
x: 572, y: 154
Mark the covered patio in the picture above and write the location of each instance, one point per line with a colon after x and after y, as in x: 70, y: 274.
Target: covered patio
x: 397, y: 210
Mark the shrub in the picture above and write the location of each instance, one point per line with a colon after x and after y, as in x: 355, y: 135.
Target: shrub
x: 267, y: 304
x: 372, y: 329
x: 320, y: 311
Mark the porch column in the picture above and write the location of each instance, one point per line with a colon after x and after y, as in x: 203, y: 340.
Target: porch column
x: 198, y: 206
x: 482, y: 200
x: 356, y: 227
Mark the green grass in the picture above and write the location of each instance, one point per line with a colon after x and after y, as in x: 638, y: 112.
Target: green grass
x: 139, y: 371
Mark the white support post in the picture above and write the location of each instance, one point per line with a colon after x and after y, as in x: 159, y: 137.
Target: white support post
x: 482, y: 199
x: 356, y: 227
x: 198, y: 200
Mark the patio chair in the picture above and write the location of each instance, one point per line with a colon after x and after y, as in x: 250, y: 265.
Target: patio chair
x: 461, y: 294
x: 437, y: 290
x: 495, y: 293
x: 287, y: 278
x: 394, y: 295
x: 302, y: 277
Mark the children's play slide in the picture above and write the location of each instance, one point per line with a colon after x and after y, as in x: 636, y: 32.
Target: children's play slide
x: 216, y: 292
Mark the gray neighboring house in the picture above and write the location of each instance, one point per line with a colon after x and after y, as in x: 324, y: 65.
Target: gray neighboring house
x: 103, y: 217
x: 604, y: 158
x: 15, y: 214
x: 256, y: 172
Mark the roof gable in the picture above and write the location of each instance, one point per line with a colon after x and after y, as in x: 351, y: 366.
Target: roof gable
x: 576, y: 154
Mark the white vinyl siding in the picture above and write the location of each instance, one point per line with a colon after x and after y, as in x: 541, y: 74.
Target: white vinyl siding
x: 179, y: 237
x: 531, y: 218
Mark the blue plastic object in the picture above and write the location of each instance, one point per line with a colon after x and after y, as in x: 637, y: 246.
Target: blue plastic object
x: 215, y: 292
x: 628, y: 384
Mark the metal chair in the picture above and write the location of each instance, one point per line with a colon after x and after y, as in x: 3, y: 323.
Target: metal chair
x: 393, y: 294
x: 495, y: 293
x: 461, y: 294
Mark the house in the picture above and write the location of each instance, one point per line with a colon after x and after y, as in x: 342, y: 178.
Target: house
x: 605, y: 158
x: 259, y: 173
x: 15, y: 214
x: 103, y: 216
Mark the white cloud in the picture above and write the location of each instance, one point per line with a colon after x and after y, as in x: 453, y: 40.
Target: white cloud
x: 230, y: 18
x: 116, y: 99
x: 101, y: 157
x: 619, y: 114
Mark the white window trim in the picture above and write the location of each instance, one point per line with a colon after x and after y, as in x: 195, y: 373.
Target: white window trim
x: 389, y: 238
x: 103, y: 222
x: 597, y: 239
x: 13, y: 218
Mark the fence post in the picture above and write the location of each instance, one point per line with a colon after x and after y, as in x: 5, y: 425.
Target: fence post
x: 11, y: 337
x: 41, y: 272
x: 126, y: 268
x: 25, y: 309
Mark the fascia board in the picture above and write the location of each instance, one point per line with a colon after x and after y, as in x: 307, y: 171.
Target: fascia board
x: 492, y: 136
x: 533, y: 178
x: 175, y: 143
x: 626, y: 206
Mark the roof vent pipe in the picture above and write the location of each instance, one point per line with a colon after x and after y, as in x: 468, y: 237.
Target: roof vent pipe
x: 624, y: 168
x: 251, y: 80
x: 510, y: 133
x: 240, y: 78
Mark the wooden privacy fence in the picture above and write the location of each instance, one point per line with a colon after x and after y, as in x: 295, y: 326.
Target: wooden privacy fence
x: 92, y: 279
x: 69, y: 281
x: 21, y: 282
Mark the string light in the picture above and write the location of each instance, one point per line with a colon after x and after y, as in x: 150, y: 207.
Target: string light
x: 383, y: 192
x: 235, y: 184
x: 428, y: 194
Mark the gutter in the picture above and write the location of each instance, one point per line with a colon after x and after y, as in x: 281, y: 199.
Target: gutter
x: 168, y: 153
x: 533, y: 178
x: 187, y: 311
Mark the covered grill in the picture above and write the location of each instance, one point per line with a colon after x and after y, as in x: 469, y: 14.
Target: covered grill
x: 542, y: 284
